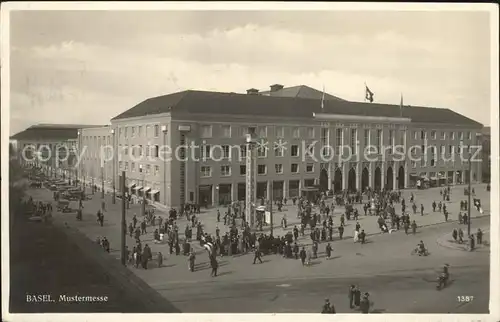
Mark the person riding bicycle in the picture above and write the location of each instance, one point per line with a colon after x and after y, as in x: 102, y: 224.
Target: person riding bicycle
x: 421, y: 248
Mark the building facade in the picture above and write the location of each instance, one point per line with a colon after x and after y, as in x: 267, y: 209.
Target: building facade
x: 190, y: 147
x: 52, y: 147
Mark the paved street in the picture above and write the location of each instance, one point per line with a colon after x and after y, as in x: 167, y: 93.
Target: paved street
x: 382, y: 255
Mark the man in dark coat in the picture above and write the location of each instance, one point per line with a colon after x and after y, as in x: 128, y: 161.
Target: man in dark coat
x: 364, y: 305
x: 257, y: 256
x: 214, y: 264
x: 350, y: 295
x: 357, y: 296
x: 303, y: 256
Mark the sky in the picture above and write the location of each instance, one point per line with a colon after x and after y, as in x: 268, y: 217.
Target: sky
x: 86, y: 67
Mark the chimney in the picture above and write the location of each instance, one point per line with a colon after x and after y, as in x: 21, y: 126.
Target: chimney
x: 252, y: 91
x: 276, y: 87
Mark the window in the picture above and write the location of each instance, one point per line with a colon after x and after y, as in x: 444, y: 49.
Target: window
x: 296, y: 132
x: 261, y: 169
x: 354, y: 138
x: 133, y: 131
x: 206, y: 172
x: 225, y: 152
x: 278, y: 168
x: 469, y: 135
x: 126, y: 166
x: 157, y: 131
x: 392, y: 141
x: 140, y: 168
x: 139, y: 131
x: 262, y: 151
x: 452, y: 135
x: 415, y: 135
x: 423, y: 135
x: 367, y: 137
x: 310, y: 132
x: 148, y: 131
x: 243, y: 170
x: 140, y: 150
x: 157, y: 151
x: 442, y: 150
x: 339, y: 140
x: 125, y: 150
x: 294, y: 150
x: 206, y: 131
x: 310, y: 149
x: 226, y: 131
x: 414, y: 164
x: 310, y: 167
x: 325, y: 141
x: 450, y: 149
x: 225, y: 170
x: 205, y: 151
x: 120, y: 165
x: 279, y: 149
x: 460, y: 135
x: 157, y: 170
x: 133, y: 167
x: 433, y: 163
x: 243, y: 152
x: 379, y: 141
x: 433, y: 135
x: 294, y: 168
x: 443, y: 135
x: 125, y: 132
x: 280, y: 132
x: 148, y: 150
x: 263, y: 131
x: 148, y: 169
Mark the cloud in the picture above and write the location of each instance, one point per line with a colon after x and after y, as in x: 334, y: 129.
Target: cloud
x: 72, y: 81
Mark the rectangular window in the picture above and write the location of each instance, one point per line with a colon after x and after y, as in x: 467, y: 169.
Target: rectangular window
x: 433, y: 135
x: 443, y: 135
x: 461, y: 135
x: 157, y: 130
x: 262, y: 151
x: 126, y: 166
x: 225, y: 152
x: 120, y: 165
x: 310, y: 149
x: 278, y: 168
x: 140, y: 150
x: 469, y: 135
x: 205, y: 152
x: 294, y: 150
x: 206, y: 171
x: 310, y: 132
x: 443, y: 150
x: 133, y: 167
x: 379, y: 141
x: 139, y: 131
x: 206, y: 131
x: 354, y: 139
x: 226, y: 131
x: 452, y: 135
x: 280, y: 132
x: 225, y: 170
x: 415, y: 135
x: 392, y: 141
x: 309, y: 167
x: 133, y: 131
x: 243, y: 170
x: 366, y: 137
x: 243, y: 152
x: 339, y: 141
x: 157, y: 170
x: 148, y: 169
x: 414, y: 164
x: 279, y: 150
x: 261, y: 169
x: 296, y: 132
x: 325, y: 142
x: 125, y: 132
x: 263, y: 131
x: 140, y: 168
x: 157, y: 151
x: 450, y: 149
x: 294, y: 168
x: 423, y: 135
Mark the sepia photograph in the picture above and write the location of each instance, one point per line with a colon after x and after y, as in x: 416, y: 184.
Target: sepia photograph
x: 231, y: 158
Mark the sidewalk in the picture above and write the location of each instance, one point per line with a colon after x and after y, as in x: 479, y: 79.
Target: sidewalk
x: 447, y: 241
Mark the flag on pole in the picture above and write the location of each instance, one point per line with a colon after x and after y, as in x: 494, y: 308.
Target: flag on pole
x: 323, y: 99
x: 401, y: 106
x: 369, y: 94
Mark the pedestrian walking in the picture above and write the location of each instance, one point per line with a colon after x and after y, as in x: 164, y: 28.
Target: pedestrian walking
x: 479, y: 236
x: 215, y: 266
x: 257, y: 256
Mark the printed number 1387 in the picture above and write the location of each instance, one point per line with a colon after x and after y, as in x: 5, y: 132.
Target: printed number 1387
x: 465, y: 298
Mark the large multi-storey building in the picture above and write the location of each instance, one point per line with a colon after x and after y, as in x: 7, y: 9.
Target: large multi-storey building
x: 52, y: 147
x: 302, y: 142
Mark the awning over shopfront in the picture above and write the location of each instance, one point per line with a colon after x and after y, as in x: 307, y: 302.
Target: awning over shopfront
x: 138, y: 188
x: 131, y: 185
x: 146, y: 189
x: 153, y: 192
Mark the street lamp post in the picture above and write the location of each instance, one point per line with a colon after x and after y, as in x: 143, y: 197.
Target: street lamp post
x: 143, y: 208
x: 102, y: 180
x: 114, y: 170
